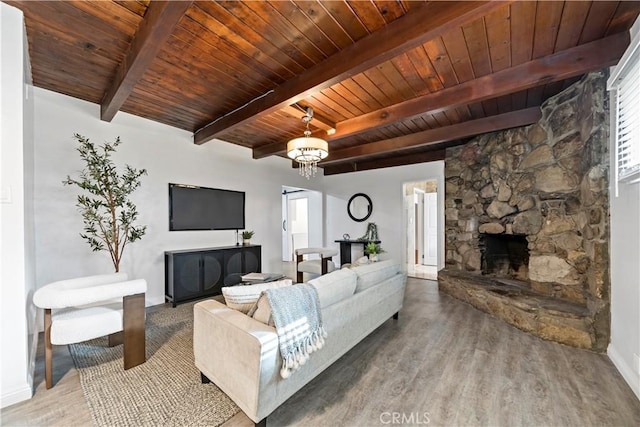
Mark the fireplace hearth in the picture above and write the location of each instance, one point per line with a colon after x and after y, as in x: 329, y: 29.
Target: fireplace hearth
x: 504, y: 255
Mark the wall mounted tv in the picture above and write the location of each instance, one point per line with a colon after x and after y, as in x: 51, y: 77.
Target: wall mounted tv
x: 202, y: 208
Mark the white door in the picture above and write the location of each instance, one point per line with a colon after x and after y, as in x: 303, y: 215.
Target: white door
x: 430, y: 229
x: 410, y: 212
x: 420, y: 226
x: 286, y: 253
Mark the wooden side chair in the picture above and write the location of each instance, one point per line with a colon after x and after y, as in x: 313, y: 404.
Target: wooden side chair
x: 322, y: 264
x: 85, y: 308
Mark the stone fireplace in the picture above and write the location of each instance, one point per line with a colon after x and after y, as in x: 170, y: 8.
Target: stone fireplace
x: 526, y: 220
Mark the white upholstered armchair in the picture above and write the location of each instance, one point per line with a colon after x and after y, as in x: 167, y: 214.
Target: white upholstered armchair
x: 321, y: 265
x: 81, y: 309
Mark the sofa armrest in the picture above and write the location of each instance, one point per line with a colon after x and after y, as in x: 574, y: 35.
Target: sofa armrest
x: 230, y: 348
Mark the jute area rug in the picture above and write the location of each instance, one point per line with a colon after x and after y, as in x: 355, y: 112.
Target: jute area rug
x: 165, y: 390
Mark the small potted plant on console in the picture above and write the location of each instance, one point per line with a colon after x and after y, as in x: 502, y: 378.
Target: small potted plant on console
x: 246, y: 237
x: 373, y: 249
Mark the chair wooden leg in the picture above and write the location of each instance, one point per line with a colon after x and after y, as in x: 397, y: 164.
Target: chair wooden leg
x: 324, y: 269
x: 134, y: 331
x: 48, y: 349
x: 116, y: 338
x: 299, y: 277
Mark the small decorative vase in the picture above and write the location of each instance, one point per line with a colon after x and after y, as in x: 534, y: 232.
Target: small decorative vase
x: 246, y: 242
x: 373, y: 257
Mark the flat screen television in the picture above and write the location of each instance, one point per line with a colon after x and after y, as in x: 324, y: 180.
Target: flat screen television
x: 202, y: 208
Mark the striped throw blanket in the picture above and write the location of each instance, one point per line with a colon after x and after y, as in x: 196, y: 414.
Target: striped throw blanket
x: 296, y: 314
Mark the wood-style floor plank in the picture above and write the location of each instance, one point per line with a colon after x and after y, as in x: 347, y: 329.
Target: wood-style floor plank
x: 63, y: 405
x: 442, y: 359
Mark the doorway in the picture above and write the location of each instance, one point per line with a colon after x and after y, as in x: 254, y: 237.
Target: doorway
x: 301, y: 220
x: 421, y: 208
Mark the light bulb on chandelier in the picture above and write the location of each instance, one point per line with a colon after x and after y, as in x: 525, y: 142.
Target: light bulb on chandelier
x: 307, y: 150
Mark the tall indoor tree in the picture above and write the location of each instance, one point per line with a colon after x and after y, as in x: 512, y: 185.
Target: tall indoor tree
x: 107, y: 212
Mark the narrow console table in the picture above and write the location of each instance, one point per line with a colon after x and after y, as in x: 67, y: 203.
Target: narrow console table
x: 345, y: 248
x: 196, y: 273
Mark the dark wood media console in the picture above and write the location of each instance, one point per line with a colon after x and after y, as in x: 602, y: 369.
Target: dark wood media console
x: 197, y: 273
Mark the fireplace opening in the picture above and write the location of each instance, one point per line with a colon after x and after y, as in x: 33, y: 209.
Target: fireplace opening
x: 505, y: 255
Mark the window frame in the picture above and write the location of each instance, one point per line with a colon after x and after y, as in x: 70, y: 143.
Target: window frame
x: 627, y: 68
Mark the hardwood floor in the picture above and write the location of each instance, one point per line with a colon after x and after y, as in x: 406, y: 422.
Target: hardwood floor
x: 62, y: 405
x: 442, y: 363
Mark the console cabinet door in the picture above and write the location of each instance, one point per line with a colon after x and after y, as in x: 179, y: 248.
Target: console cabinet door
x: 233, y: 262
x: 242, y: 260
x: 186, y: 276
x: 251, y: 259
x: 212, y: 273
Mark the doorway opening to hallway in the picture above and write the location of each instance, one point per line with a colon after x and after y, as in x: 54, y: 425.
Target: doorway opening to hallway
x: 421, y: 210
x: 301, y: 220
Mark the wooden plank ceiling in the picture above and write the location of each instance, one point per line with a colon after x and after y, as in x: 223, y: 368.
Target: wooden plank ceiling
x: 391, y: 82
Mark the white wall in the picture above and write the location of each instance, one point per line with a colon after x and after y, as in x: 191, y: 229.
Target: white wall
x: 624, y: 348
x: 169, y: 156
x: 385, y: 188
x: 17, y: 338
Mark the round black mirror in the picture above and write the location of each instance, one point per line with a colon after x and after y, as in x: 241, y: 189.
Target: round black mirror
x: 359, y: 207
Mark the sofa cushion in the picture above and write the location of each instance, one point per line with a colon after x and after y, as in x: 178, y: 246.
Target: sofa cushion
x: 371, y: 274
x: 242, y: 298
x: 334, y: 287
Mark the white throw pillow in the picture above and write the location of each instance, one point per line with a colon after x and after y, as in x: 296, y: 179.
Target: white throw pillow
x: 243, y: 297
x: 334, y: 287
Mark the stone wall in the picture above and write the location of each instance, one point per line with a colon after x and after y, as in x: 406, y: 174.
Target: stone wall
x: 547, y: 181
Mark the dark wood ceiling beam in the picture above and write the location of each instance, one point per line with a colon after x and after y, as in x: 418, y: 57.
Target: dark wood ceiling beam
x: 407, y: 159
x: 436, y: 136
x: 569, y: 63
x: 559, y: 66
x: 273, y: 149
x: 419, y: 25
x: 156, y: 27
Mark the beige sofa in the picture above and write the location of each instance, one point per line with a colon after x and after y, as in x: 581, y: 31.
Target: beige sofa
x: 240, y: 355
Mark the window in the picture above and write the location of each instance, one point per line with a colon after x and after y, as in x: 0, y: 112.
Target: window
x: 625, y: 86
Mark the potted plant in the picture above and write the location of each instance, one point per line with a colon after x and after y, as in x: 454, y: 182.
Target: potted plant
x: 246, y: 237
x: 107, y: 212
x: 373, y: 249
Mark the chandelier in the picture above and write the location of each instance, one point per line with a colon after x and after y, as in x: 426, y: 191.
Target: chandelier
x: 307, y: 150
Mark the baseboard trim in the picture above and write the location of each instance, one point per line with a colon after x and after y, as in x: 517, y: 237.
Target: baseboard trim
x: 625, y: 370
x: 15, y: 396
x: 154, y: 301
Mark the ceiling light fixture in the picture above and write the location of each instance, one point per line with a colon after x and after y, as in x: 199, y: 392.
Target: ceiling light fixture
x: 307, y: 150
